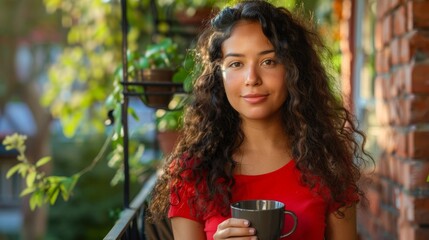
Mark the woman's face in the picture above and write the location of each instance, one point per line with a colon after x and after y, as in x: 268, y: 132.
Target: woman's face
x: 253, y: 76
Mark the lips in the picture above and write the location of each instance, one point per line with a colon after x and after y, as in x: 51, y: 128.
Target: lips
x: 255, y: 97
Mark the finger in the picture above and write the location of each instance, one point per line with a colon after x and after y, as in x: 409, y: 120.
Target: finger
x: 244, y: 238
x: 234, y: 222
x: 236, y: 233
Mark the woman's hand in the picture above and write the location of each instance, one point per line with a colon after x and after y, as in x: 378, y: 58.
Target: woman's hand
x: 235, y: 228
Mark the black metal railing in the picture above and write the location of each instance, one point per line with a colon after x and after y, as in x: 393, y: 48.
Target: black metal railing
x: 131, y: 222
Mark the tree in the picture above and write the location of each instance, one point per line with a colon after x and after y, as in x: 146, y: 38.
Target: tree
x: 25, y: 28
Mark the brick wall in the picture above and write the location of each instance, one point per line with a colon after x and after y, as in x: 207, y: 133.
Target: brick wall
x: 398, y: 192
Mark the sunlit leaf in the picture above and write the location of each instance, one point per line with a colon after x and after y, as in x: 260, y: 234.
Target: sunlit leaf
x: 13, y: 170
x: 23, y: 169
x: 30, y: 178
x: 27, y: 191
x: 53, y: 197
x: 43, y: 161
x: 36, y: 199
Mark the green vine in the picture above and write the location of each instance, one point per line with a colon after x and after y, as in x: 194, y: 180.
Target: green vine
x: 42, y: 187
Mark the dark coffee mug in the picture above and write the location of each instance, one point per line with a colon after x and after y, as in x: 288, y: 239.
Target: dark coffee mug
x: 266, y: 216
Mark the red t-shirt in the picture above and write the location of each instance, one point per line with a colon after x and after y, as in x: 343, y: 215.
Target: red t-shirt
x: 282, y: 185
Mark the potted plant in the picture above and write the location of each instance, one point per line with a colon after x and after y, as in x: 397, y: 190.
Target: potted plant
x: 155, y: 67
x: 163, y: 62
x: 169, y: 122
x: 168, y: 126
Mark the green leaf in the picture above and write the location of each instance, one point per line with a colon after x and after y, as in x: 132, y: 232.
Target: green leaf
x: 133, y: 113
x: 23, y: 169
x: 43, y: 161
x: 53, y: 197
x: 30, y: 178
x: 27, y: 191
x: 55, y: 180
x: 68, y: 185
x: 14, y: 169
x: 36, y: 199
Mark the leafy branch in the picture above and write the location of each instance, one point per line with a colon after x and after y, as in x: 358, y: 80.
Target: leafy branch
x: 41, y: 187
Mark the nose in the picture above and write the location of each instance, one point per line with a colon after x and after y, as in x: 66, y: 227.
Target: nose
x: 253, y: 78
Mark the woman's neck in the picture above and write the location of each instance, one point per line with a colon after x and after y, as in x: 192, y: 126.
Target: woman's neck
x: 265, y: 148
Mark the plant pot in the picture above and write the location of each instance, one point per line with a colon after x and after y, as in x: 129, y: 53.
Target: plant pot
x: 157, y: 90
x: 167, y: 141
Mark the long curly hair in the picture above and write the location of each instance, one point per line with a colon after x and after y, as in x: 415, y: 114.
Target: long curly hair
x: 325, y: 141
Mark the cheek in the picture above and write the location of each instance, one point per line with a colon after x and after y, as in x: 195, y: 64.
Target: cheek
x: 231, y: 92
x: 227, y: 88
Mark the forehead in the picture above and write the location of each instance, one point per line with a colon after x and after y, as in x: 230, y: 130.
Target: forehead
x: 246, y: 36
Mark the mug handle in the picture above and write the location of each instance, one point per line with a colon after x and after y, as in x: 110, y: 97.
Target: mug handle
x: 295, y: 220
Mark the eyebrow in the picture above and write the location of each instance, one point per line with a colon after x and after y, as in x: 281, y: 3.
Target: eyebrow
x: 241, y: 55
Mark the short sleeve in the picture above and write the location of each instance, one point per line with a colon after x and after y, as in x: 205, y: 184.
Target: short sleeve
x: 180, y: 192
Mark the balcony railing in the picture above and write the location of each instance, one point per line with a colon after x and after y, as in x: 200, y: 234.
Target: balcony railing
x: 132, y: 224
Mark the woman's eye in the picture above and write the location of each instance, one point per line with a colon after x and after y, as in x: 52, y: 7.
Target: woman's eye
x: 234, y: 65
x: 269, y: 62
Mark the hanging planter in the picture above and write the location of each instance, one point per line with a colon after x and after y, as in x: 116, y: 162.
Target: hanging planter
x: 169, y: 125
x: 154, y: 70
x: 158, y: 88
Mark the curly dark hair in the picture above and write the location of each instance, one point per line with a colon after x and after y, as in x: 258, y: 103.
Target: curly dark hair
x: 325, y: 141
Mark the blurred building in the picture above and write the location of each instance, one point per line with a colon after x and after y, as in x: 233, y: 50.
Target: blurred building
x: 387, y: 80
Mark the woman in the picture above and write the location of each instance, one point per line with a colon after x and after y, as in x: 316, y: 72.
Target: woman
x: 264, y: 123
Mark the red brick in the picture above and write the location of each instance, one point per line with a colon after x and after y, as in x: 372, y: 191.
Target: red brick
x: 388, y: 219
x: 385, y: 190
x: 388, y: 196
x: 419, y: 44
x: 405, y: 54
x: 386, y: 139
x: 413, y: 209
x: 378, y: 88
x: 418, y: 142
x: 397, y: 82
x: 382, y: 166
x: 400, y: 21
x: 394, y: 3
x: 410, y: 24
x: 415, y: 173
x: 400, y: 81
x: 387, y: 29
x: 395, y: 51
x: 382, y: 115
x: 374, y: 200
x: 417, y: 14
x: 416, y: 110
x: 421, y: 233
x: 382, y: 7
x: 393, y: 169
x: 410, y: 231
x: 416, y: 78
x: 378, y: 36
x: 382, y: 61
x: 394, y: 111
x: 414, y: 45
